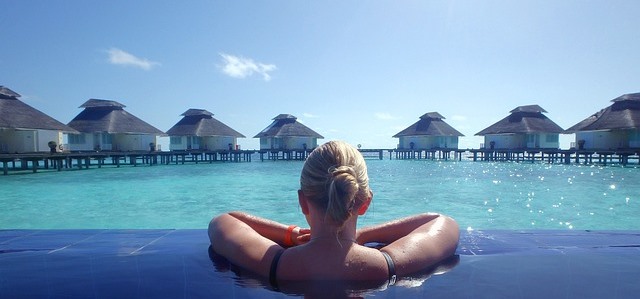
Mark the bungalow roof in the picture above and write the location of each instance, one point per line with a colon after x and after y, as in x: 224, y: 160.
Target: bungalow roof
x: 200, y: 122
x: 287, y: 125
x: 430, y: 124
x: 523, y: 119
x: 92, y: 103
x: 624, y: 113
x: 15, y: 114
x: 529, y: 108
x: 110, y: 117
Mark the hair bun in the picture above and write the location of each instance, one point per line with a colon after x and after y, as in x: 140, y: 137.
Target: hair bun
x: 343, y: 188
x: 344, y: 169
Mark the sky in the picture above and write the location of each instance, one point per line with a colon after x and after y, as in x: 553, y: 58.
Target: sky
x: 359, y: 71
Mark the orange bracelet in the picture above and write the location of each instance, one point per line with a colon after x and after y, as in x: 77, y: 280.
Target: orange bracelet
x: 288, y: 240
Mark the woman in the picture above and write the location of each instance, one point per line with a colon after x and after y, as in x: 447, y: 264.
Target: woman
x: 334, y: 191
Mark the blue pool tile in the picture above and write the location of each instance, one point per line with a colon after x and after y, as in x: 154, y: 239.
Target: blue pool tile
x: 177, y: 264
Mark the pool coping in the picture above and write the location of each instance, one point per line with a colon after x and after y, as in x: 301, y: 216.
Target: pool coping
x: 176, y: 263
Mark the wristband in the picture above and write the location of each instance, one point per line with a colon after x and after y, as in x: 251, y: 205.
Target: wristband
x: 288, y: 240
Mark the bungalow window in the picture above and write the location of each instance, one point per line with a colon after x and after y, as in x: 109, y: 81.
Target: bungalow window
x: 76, y: 139
x: 175, y: 140
x: 552, y: 138
x: 530, y: 138
x: 106, y: 138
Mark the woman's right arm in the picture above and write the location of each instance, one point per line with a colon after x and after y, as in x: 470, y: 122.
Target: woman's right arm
x: 415, y: 242
x: 250, y: 241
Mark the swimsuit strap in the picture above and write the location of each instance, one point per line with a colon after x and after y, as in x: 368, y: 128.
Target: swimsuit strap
x: 274, y: 268
x: 392, y: 268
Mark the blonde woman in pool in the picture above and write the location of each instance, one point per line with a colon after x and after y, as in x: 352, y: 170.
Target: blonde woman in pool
x: 334, y: 191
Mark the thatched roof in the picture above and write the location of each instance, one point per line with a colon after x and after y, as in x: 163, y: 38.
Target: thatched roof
x: 93, y: 103
x: 529, y: 109
x: 110, y: 117
x: 624, y: 113
x: 200, y: 122
x: 430, y: 124
x: 8, y: 93
x: 523, y: 120
x: 15, y: 114
x: 286, y: 125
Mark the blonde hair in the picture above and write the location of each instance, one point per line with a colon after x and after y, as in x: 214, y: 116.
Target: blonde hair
x: 334, y: 178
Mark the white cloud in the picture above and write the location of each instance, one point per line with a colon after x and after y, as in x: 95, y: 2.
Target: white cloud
x: 459, y: 118
x: 117, y: 56
x: 384, y: 116
x: 240, y: 67
x: 309, y: 115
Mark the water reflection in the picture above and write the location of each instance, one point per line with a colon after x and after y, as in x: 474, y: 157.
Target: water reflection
x: 327, y: 289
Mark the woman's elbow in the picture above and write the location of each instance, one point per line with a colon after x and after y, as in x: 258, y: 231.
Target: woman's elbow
x: 451, y: 233
x: 216, y: 225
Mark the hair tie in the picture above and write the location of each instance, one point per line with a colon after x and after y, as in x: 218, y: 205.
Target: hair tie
x: 331, y: 170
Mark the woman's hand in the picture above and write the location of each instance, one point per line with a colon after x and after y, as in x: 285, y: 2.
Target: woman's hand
x: 303, y: 236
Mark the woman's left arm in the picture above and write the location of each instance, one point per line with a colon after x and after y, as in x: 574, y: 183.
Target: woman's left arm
x: 250, y: 241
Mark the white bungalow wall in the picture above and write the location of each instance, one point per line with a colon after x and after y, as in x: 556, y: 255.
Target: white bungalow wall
x: 211, y: 143
x: 90, y: 142
x: 74, y: 143
x: 133, y: 142
x: 290, y: 143
x: 215, y: 143
x: 181, y: 143
x: 519, y: 141
x: 543, y: 140
x: 428, y: 142
x: 44, y: 136
x: 609, y: 139
x: 21, y: 141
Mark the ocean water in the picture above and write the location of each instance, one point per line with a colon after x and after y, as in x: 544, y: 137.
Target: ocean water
x: 479, y: 195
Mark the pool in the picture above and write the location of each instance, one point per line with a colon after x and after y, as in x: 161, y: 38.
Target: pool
x: 528, y: 230
x: 167, y: 263
x: 477, y: 194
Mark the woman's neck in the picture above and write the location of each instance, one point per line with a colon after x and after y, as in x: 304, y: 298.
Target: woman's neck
x: 327, y: 232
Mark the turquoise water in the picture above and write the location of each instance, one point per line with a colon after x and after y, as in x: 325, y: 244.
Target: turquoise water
x: 480, y: 195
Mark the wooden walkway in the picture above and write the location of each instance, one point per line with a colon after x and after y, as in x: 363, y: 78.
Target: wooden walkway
x: 602, y: 157
x: 284, y: 154
x: 407, y: 154
x: 84, y: 160
x: 34, y: 162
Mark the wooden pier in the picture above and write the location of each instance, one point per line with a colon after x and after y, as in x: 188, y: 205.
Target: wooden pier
x: 602, y: 157
x: 34, y: 162
x: 374, y: 153
x: 429, y: 154
x: 284, y: 154
x: 84, y: 160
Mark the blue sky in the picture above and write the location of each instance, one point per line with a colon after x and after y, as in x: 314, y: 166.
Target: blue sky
x: 359, y: 71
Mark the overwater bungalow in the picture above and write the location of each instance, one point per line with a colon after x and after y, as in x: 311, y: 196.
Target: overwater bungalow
x: 198, y: 129
x: 614, y: 127
x: 525, y: 128
x: 286, y: 133
x: 430, y: 132
x: 26, y: 129
x: 105, y: 125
